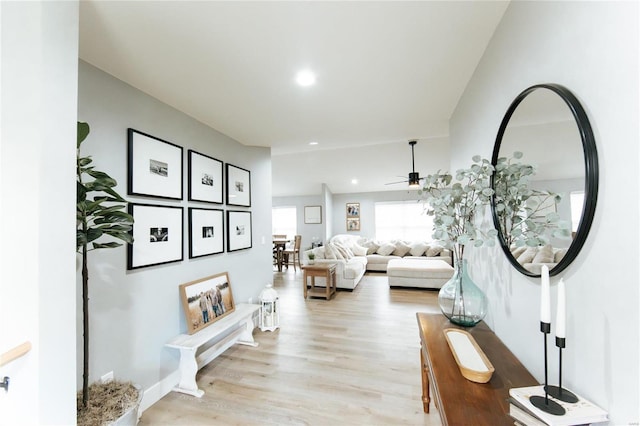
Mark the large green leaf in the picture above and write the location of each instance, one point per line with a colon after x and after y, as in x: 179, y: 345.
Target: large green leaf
x: 83, y: 132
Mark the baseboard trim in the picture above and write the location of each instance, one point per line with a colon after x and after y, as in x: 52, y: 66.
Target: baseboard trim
x: 157, y: 391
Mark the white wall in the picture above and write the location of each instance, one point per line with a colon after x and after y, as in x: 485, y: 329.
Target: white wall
x: 39, y: 52
x: 133, y: 313
x: 592, y: 49
x: 308, y: 231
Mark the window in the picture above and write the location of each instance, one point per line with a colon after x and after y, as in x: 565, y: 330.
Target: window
x: 577, y: 203
x: 406, y: 220
x: 284, y: 221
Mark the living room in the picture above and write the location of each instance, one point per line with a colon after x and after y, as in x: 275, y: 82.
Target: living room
x: 589, y: 47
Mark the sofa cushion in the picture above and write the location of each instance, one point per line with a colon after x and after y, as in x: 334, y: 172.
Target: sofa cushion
x: 517, y: 251
x: 528, y: 255
x: 354, y: 268
x: 418, y: 249
x: 544, y: 255
x: 559, y: 255
x: 386, y: 249
x: 371, y: 246
x: 358, y: 250
x: 401, y: 249
x: 433, y: 251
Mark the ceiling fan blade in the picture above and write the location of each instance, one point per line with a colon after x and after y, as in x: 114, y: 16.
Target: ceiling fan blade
x: 394, y: 183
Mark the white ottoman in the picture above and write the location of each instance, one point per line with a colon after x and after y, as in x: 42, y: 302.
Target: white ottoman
x: 418, y: 273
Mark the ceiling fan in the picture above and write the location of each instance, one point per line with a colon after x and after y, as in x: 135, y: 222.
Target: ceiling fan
x: 414, y: 177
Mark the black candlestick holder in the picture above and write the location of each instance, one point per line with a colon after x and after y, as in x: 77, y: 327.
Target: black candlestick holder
x: 558, y: 392
x: 544, y: 403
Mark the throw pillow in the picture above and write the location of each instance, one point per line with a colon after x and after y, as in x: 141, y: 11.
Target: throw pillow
x: 319, y: 252
x: 560, y: 255
x: 386, y: 249
x: 517, y: 251
x: 544, y: 255
x: 433, y: 251
x: 358, y: 250
x: 329, y: 253
x: 401, y: 249
x: 417, y: 249
x: 371, y: 247
x: 528, y: 255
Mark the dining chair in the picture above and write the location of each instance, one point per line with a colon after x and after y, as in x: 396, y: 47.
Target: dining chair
x: 276, y: 248
x: 292, y: 255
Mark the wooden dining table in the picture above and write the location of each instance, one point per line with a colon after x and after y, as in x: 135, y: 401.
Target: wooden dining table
x: 279, y: 245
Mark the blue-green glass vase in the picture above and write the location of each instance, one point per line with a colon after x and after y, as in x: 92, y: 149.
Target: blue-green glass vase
x: 460, y: 299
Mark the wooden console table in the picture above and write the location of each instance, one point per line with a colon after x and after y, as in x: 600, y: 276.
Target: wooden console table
x: 460, y: 401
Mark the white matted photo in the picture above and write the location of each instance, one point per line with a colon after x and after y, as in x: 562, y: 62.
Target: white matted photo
x: 312, y: 214
x: 238, y: 230
x: 206, y: 232
x: 157, y: 235
x: 154, y: 166
x: 238, y: 186
x: 205, y: 178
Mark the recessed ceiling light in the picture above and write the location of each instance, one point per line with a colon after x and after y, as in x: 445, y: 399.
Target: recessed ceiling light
x: 306, y: 78
x: 354, y: 181
x: 313, y: 143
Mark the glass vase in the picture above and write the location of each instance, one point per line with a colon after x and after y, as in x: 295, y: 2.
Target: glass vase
x: 460, y: 299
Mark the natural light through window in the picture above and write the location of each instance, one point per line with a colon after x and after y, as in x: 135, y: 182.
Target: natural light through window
x: 403, y: 220
x: 577, y: 203
x: 284, y: 221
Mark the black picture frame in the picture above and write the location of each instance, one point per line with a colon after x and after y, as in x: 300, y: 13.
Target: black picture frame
x: 205, y: 178
x: 238, y: 186
x: 239, y: 233
x: 154, y: 166
x: 157, y: 235
x: 206, y: 232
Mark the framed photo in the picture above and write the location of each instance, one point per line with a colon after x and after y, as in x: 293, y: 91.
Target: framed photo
x: 206, y: 232
x: 205, y: 178
x: 312, y: 214
x: 353, y: 210
x: 157, y: 235
x: 353, y: 224
x: 238, y: 230
x: 206, y: 300
x: 155, y: 167
x: 238, y: 186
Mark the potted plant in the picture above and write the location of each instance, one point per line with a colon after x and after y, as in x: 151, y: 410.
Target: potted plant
x: 312, y: 258
x: 455, y: 207
x: 99, y: 213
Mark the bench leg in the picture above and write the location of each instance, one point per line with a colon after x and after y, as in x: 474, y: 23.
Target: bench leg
x: 188, y: 369
x: 246, y: 337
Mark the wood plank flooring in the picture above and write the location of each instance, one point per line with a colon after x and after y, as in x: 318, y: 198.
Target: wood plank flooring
x: 351, y: 360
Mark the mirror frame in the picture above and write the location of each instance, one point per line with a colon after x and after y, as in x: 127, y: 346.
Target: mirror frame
x: 590, y: 177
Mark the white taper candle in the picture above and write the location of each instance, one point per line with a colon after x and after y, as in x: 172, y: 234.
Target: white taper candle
x: 561, y: 313
x: 545, y: 296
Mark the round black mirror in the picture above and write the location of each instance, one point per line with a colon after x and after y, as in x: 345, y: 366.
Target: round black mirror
x: 547, y: 126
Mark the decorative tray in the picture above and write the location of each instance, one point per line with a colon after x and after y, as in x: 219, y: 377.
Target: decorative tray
x: 473, y: 363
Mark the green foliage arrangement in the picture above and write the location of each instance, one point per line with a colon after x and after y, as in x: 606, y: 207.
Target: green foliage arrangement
x: 520, y: 209
x: 99, y: 212
x: 455, y: 205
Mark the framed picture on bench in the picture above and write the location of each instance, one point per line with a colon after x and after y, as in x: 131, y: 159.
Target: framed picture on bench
x: 206, y: 300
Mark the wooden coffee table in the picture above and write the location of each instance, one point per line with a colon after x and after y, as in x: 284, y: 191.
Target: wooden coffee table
x: 326, y: 270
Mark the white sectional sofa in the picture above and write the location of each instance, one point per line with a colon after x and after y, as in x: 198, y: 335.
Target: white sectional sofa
x: 354, y: 255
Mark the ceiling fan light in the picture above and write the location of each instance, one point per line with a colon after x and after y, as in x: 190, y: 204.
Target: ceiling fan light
x: 414, y: 180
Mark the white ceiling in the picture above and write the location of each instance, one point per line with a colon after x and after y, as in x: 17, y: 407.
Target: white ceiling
x: 386, y: 72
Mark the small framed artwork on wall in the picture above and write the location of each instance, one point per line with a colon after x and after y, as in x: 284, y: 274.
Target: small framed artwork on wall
x: 205, y: 178
x: 353, y: 224
x: 238, y: 230
x: 353, y: 210
x: 238, y: 186
x: 206, y: 232
x: 312, y: 214
x: 157, y: 235
x: 154, y: 166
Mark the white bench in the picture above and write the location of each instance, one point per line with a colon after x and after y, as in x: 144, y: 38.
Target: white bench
x: 236, y: 327
x: 424, y: 273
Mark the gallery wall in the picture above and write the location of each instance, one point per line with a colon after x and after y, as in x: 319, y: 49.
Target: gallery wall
x: 592, y: 49
x: 135, y: 312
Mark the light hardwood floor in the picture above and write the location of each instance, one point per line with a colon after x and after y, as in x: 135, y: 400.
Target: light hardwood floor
x: 351, y: 360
